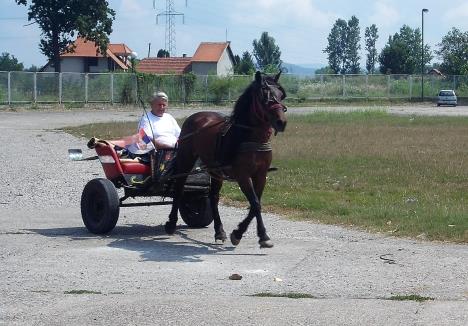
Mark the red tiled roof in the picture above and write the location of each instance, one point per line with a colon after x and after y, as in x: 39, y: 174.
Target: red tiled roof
x: 83, y: 48
x: 209, y: 51
x: 119, y: 49
x: 164, y: 65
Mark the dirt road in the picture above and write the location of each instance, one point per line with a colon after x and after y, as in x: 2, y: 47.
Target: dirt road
x: 53, y: 272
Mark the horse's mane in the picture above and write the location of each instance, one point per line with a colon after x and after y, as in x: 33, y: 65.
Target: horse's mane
x: 241, y: 110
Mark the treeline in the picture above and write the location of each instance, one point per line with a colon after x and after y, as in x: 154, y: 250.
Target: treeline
x: 402, y: 54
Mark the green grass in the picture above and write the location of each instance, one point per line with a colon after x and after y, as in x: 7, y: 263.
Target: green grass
x: 399, y: 175
x: 412, y: 297
x: 290, y: 295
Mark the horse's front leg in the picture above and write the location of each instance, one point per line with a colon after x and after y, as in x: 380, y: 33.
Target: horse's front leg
x: 255, y: 210
x: 171, y: 224
x: 184, y: 163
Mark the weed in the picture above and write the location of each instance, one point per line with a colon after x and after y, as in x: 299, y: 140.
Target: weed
x: 290, y: 295
x: 411, y: 297
x: 82, y: 292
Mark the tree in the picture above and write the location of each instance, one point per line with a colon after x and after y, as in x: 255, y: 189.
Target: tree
x: 245, y: 65
x: 33, y: 68
x: 453, y: 51
x: 352, y: 46
x: 402, y: 53
x: 325, y: 71
x: 163, y: 53
x: 10, y: 63
x: 266, y: 52
x: 371, y: 35
x: 60, y: 20
x: 343, y: 46
x: 336, y: 46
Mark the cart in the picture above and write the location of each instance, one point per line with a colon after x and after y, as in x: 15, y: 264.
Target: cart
x: 100, y: 201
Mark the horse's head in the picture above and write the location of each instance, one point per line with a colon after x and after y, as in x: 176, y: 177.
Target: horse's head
x: 271, y: 96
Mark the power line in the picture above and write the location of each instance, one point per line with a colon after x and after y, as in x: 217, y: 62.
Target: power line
x: 170, y: 33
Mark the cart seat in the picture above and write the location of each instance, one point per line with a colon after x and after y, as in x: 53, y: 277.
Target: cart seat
x: 134, y: 166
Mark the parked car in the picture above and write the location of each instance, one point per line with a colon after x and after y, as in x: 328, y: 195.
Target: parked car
x: 447, y: 97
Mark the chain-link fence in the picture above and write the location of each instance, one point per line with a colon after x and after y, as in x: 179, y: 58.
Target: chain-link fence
x: 46, y: 87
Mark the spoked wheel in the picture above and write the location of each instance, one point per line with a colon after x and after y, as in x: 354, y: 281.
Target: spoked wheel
x: 195, y: 210
x: 100, y: 206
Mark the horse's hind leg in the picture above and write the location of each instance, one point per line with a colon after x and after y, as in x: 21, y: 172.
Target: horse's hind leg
x: 216, y: 185
x: 184, y: 164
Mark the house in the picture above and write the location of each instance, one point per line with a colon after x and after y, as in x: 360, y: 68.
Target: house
x: 210, y: 58
x: 86, y: 58
x: 436, y: 72
x: 213, y: 58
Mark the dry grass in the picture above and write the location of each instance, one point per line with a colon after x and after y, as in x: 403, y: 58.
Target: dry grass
x: 399, y: 175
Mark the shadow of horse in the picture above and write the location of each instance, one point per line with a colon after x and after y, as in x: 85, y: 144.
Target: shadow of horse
x: 151, y: 242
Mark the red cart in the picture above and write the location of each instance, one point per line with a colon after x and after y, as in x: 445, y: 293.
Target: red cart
x: 100, y: 201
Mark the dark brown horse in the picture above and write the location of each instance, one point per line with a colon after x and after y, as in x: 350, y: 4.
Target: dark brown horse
x: 245, y: 154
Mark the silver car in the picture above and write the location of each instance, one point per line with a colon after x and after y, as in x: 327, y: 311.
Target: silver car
x: 447, y: 97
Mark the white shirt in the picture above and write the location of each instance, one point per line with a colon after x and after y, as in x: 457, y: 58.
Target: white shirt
x: 163, y: 129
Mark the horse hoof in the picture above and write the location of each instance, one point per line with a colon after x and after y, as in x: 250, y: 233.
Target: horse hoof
x: 221, y: 236
x: 266, y: 244
x: 170, y: 228
x: 234, y: 240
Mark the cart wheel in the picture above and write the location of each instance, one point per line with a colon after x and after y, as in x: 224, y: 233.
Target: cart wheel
x: 195, y: 210
x: 100, y: 206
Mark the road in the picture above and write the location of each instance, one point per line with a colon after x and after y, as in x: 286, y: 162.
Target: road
x: 53, y: 272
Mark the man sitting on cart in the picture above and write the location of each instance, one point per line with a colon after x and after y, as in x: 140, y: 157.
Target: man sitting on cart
x: 158, y: 130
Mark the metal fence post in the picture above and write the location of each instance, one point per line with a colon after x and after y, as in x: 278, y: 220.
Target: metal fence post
x: 343, y: 84
x: 135, y: 87
x: 410, y: 86
x: 35, y: 87
x: 9, y: 88
x: 60, y: 88
x: 367, y: 86
x: 112, y: 88
x: 86, y: 87
x: 206, y: 88
x: 454, y: 82
x: 388, y: 86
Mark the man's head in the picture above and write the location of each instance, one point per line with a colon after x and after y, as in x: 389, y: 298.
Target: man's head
x: 159, y: 103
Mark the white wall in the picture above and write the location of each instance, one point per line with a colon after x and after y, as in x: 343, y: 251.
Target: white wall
x: 101, y: 67
x: 72, y: 64
x: 225, y: 65
x: 204, y: 68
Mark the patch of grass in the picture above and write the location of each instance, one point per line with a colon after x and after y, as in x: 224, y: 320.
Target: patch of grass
x: 290, y: 295
x: 398, y: 175
x: 82, y: 292
x: 411, y: 297
x: 109, y: 130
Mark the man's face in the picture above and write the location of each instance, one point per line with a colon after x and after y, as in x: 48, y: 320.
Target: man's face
x: 158, y: 106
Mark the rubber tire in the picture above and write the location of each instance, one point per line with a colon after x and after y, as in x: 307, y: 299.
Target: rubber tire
x: 195, y: 210
x: 100, y: 206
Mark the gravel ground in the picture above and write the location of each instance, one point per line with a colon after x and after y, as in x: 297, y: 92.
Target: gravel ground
x: 53, y: 272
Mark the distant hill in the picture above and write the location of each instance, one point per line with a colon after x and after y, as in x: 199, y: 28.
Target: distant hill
x: 302, y: 69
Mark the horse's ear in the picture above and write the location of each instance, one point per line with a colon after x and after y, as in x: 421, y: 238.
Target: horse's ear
x: 278, y: 75
x: 258, y: 77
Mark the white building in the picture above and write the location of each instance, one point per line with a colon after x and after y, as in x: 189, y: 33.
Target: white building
x: 86, y: 58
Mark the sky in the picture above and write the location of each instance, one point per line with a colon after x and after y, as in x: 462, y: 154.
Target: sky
x: 299, y: 27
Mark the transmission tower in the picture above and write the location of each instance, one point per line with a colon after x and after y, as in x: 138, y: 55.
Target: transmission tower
x: 170, y: 34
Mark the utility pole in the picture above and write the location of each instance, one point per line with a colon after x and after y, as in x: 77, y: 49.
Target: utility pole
x: 170, y: 34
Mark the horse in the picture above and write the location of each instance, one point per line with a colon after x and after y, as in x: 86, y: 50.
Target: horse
x: 245, y: 155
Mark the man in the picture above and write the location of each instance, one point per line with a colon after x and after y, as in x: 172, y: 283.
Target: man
x: 157, y: 128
